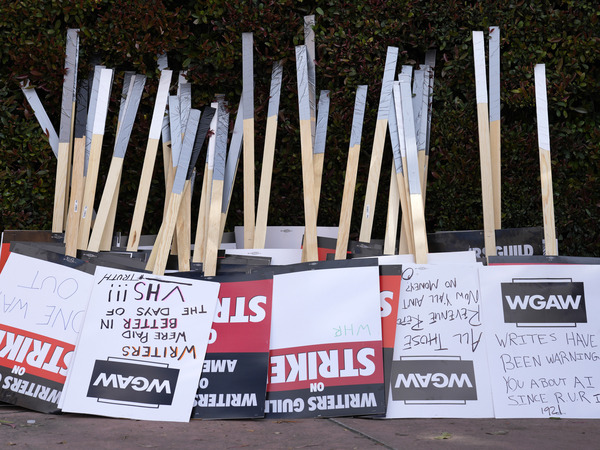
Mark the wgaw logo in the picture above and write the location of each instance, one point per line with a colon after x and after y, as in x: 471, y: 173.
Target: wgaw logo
x: 433, y: 380
x: 133, y: 383
x: 551, y: 302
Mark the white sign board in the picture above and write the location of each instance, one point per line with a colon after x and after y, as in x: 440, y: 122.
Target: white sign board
x: 543, y: 329
x: 142, y: 346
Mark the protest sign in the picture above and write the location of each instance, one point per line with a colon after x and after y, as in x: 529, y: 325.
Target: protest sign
x: 234, y: 374
x: 543, y: 337
x: 153, y: 332
x: 440, y: 366
x: 326, y: 351
x: 43, y: 306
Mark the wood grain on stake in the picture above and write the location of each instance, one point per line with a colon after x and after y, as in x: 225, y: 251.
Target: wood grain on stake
x: 308, y: 179
x: 484, y: 145
x: 111, y: 186
x: 201, y: 226
x: 417, y: 211
x: 67, y: 113
x: 264, y: 191
x: 368, y: 214
x: 157, y: 262
x: 341, y: 247
x: 495, y: 142
x: 248, y: 93
x: 77, y: 179
x: 149, y: 160
x: 541, y: 104
x: 91, y: 179
x: 213, y: 240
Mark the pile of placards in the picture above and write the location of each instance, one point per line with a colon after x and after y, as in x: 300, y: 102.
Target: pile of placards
x: 379, y: 336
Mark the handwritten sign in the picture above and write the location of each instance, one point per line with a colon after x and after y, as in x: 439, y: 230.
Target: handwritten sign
x: 543, y: 328
x: 440, y: 367
x: 326, y: 350
x: 42, y: 306
x: 142, y: 346
x: 234, y: 374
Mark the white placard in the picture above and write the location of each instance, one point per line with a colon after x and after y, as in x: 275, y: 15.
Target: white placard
x: 153, y: 332
x: 440, y: 366
x: 279, y: 256
x: 543, y: 329
x: 286, y: 237
x: 43, y: 307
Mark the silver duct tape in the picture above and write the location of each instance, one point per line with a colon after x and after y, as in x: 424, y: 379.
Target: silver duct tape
x: 68, y: 93
x: 132, y: 104
x: 186, y: 152
x: 162, y: 61
x: 203, y: 127
x: 302, y: 75
x: 248, y: 75
x: 212, y: 140
x: 233, y: 156
x: 322, y: 120
x: 41, y: 115
x: 127, y: 75
x: 175, y: 124
x: 89, y: 127
x: 391, y: 60
x: 479, y: 59
x: 541, y: 106
x: 162, y: 95
x: 417, y: 102
x: 275, y: 91
x: 81, y: 106
x: 394, y: 127
x: 104, y: 88
x: 309, y: 41
x: 412, y: 169
x: 221, y: 145
x: 494, y: 76
x: 358, y: 117
x: 166, y: 128
x: 185, y: 101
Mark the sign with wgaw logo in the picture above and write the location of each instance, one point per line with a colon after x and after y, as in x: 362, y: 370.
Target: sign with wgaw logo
x: 433, y: 380
x: 544, y: 301
x: 125, y: 381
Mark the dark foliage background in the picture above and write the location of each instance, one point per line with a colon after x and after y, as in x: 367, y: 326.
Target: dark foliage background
x: 204, y: 38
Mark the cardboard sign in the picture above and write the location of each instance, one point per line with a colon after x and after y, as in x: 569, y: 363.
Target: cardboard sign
x: 43, y: 306
x: 440, y: 366
x: 234, y: 374
x: 326, y: 351
x: 142, y: 346
x: 543, y: 330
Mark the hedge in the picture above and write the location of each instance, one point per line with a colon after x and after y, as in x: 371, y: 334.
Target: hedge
x: 204, y: 39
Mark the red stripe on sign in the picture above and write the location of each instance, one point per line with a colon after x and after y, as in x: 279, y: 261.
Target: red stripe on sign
x: 339, y: 364
x: 4, y: 252
x: 26, y: 352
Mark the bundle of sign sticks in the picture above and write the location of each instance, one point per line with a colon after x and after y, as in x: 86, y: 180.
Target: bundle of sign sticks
x: 297, y: 333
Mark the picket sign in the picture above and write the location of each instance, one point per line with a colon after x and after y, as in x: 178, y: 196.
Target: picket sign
x: 487, y: 194
x: 543, y: 126
x: 542, y: 328
x: 368, y: 214
x: 351, y: 171
x: 439, y: 367
x: 137, y: 373
x: 44, y: 307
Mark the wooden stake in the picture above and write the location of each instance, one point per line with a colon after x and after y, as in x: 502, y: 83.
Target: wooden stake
x: 91, y: 174
x: 41, y: 115
x: 63, y: 168
x: 495, y: 142
x: 320, y: 141
x: 391, y: 223
x: 487, y: 194
x: 308, y: 179
x: 341, y: 248
x: 368, y: 214
x: 111, y: 187
x: 156, y: 124
x: 78, y: 181
x: 262, y: 211
x: 248, y: 93
x: 541, y: 103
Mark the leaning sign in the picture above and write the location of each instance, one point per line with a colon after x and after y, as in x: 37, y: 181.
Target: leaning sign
x: 153, y: 333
